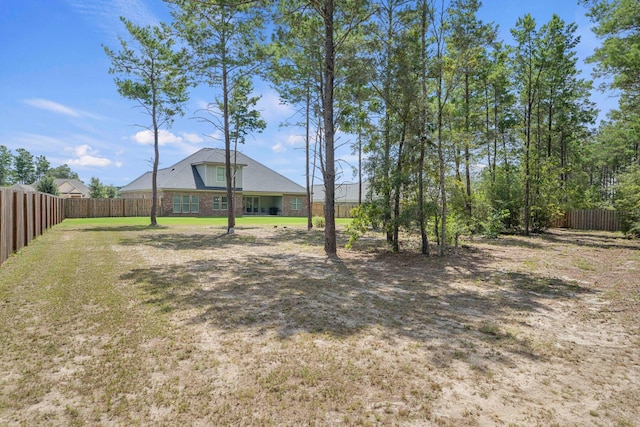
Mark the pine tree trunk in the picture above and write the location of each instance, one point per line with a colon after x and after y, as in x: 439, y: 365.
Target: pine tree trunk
x: 330, y: 246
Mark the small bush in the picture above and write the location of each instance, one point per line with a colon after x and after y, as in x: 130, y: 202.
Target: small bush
x: 358, y: 226
x: 318, y: 222
x: 494, y: 225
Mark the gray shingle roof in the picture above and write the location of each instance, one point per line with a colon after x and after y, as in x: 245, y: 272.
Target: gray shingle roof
x: 79, y: 185
x: 23, y: 187
x: 345, y: 193
x: 183, y: 175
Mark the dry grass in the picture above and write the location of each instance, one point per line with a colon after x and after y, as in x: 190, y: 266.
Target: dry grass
x: 124, y: 325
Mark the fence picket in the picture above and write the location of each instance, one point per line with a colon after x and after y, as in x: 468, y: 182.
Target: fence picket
x: 24, y: 216
x: 590, y: 219
x: 101, y: 208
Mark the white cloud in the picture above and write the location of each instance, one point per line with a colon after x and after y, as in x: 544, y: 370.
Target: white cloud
x: 105, y: 14
x: 192, y: 138
x: 54, y: 107
x: 57, y: 108
x: 145, y: 137
x: 86, y: 156
x: 278, y: 148
x: 272, y: 109
x: 201, y: 104
x: 295, y: 140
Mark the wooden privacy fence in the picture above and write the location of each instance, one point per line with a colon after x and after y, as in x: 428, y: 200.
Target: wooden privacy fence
x: 342, y: 211
x: 100, y: 208
x: 590, y: 219
x: 24, y: 216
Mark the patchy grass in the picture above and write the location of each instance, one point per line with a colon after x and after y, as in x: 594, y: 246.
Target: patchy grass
x: 110, y: 322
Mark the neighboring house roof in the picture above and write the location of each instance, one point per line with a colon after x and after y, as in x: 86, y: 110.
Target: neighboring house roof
x: 23, y: 187
x: 346, y: 192
x: 72, y: 187
x: 184, y: 176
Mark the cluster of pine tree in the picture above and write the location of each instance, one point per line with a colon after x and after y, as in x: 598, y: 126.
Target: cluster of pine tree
x: 456, y: 130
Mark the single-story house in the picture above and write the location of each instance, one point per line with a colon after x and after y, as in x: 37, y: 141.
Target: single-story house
x: 23, y: 187
x: 69, y: 188
x: 72, y: 188
x: 196, y: 186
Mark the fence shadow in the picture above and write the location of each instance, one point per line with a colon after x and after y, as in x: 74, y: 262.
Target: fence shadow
x: 591, y: 239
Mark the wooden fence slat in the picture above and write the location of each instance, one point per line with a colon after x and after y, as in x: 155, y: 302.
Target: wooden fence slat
x: 19, y: 221
x: 24, y: 216
x: 102, y: 208
x: 6, y: 223
x: 29, y: 217
x: 590, y: 219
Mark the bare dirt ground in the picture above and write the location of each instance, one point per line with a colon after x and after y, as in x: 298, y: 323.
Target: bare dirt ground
x: 260, y: 328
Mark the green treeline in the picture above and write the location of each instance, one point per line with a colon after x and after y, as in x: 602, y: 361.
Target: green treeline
x: 455, y: 130
x: 23, y: 168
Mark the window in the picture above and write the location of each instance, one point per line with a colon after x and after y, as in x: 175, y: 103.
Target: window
x: 220, y: 202
x: 176, y: 204
x: 296, y: 204
x: 186, y: 204
x: 221, y: 176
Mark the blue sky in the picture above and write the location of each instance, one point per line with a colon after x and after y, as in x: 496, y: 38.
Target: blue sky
x: 57, y: 98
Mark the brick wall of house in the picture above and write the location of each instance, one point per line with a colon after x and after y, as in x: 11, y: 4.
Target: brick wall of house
x: 286, y: 206
x: 206, y: 203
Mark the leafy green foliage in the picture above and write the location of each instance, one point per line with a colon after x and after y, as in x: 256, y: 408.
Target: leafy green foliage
x: 6, y: 164
x: 25, y: 170
x: 224, y: 38
x: 495, y: 223
x: 63, y: 172
x: 627, y: 200
x: 96, y: 188
x: 153, y: 74
x: 47, y: 185
x: 362, y: 220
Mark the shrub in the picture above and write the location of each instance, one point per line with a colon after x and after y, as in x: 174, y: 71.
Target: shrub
x: 494, y: 225
x: 318, y: 221
x: 627, y: 200
x: 47, y: 185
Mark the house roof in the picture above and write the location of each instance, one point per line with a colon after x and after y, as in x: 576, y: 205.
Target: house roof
x: 184, y: 176
x: 346, y: 192
x: 72, y: 186
x: 23, y: 187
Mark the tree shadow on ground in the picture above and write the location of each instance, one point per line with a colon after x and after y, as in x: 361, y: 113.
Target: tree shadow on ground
x: 218, y: 238
x: 512, y: 241
x: 426, y: 299
x: 183, y: 241
x: 597, y: 240
x: 123, y: 228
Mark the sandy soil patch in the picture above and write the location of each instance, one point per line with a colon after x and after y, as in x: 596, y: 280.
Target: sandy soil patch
x: 260, y: 328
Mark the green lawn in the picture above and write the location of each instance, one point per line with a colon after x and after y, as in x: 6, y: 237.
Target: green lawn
x: 245, y: 221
